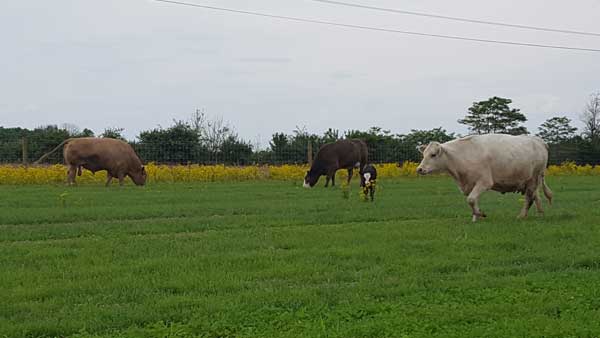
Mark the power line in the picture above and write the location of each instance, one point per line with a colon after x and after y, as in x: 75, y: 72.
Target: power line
x: 453, y: 18
x: 378, y: 29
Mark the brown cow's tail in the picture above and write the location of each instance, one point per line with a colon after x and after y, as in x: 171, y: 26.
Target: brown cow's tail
x: 51, y: 151
x: 547, y: 191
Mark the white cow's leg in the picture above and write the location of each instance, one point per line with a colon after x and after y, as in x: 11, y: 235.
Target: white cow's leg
x: 538, y: 203
x: 473, y: 199
x: 530, y: 197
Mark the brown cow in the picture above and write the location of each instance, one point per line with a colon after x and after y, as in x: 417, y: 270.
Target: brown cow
x: 343, y: 154
x: 95, y: 154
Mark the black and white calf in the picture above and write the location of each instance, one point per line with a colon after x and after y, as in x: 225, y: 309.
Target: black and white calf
x: 368, y: 180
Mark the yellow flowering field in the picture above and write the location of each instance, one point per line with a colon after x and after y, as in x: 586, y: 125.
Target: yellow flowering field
x: 56, y: 174
x: 572, y: 169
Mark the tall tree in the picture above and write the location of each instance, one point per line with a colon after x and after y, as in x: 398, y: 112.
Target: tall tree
x: 494, y: 116
x: 556, y: 130
x: 591, y: 118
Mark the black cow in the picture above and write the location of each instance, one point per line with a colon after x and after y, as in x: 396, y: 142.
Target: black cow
x: 368, y: 179
x: 343, y: 154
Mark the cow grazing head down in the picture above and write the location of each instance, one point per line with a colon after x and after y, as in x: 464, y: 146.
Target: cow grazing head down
x: 139, y: 176
x: 434, y: 158
x: 311, y: 178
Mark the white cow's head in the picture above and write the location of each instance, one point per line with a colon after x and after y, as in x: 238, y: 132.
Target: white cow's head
x: 434, y: 158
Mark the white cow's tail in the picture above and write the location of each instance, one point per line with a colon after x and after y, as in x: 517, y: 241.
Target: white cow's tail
x: 547, y: 191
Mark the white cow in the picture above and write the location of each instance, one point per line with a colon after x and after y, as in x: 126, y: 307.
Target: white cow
x: 499, y: 162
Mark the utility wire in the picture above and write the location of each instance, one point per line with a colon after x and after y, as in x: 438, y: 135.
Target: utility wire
x: 453, y: 18
x: 330, y: 23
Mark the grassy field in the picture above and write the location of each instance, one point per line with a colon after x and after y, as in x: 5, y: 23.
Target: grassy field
x: 271, y: 259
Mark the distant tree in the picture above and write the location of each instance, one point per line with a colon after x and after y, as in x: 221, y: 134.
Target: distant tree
x: 198, y: 122
x: 417, y: 137
x: 293, y: 148
x: 176, y: 144
x: 71, y: 128
x: 409, y: 142
x: 12, y: 134
x: 383, y: 146
x: 330, y: 135
x: 494, y: 116
x: 74, y: 131
x: 86, y: 133
x: 113, y: 132
x: 212, y: 132
x: 44, y: 139
x: 299, y: 140
x: 556, y: 130
x: 591, y: 118
x: 235, y: 151
x: 10, y: 144
x: 216, y: 132
x: 279, y: 142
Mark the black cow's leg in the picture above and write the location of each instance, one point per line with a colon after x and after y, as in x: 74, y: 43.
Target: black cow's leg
x: 326, y: 181
x: 121, y: 178
x: 108, y: 179
x: 372, y: 191
x: 350, y: 172
x: 333, y: 179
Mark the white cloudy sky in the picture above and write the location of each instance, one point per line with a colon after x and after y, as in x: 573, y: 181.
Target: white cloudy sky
x: 138, y: 64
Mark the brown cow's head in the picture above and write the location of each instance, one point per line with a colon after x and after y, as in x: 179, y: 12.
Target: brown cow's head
x: 434, y: 158
x: 139, y: 176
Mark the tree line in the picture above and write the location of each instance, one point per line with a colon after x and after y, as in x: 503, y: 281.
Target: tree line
x: 202, y: 139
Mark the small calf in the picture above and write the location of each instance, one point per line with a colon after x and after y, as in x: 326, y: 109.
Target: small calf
x: 368, y: 180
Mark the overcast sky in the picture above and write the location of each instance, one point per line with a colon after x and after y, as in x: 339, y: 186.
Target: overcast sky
x: 138, y: 64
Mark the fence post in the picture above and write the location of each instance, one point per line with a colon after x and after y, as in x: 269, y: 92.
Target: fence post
x: 310, y: 153
x: 24, y: 150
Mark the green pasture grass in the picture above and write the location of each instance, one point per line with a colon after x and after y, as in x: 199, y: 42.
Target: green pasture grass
x: 271, y: 259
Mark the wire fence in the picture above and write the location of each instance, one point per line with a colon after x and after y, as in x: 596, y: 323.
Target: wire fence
x: 23, y: 152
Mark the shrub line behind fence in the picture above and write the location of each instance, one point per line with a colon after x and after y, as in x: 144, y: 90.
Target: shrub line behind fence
x: 26, y: 151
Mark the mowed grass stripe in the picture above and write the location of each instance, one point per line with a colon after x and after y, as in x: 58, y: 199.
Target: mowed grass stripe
x: 312, y: 265
x: 314, y: 207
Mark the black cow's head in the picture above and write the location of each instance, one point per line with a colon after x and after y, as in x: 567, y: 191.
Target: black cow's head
x: 311, y: 178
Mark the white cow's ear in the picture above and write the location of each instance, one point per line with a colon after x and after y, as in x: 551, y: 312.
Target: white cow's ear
x: 440, y: 150
x: 421, y: 148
